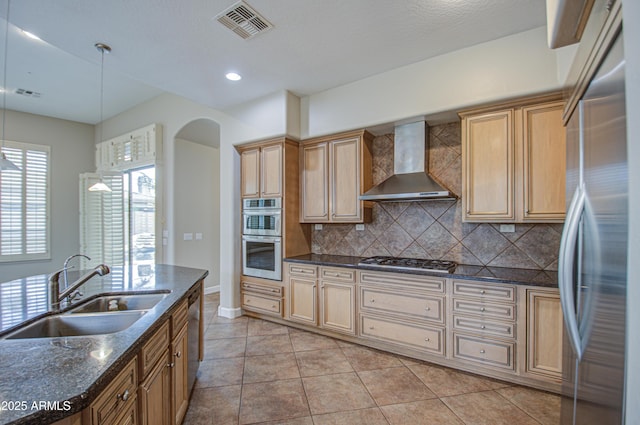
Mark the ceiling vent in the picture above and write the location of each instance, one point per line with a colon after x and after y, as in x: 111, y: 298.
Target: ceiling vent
x: 28, y: 93
x: 244, y: 20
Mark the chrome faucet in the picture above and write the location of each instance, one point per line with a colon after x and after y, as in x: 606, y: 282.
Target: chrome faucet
x: 66, y: 267
x: 56, y: 297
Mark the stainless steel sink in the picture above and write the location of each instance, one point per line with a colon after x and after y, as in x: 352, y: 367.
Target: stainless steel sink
x: 118, y: 303
x: 78, y: 325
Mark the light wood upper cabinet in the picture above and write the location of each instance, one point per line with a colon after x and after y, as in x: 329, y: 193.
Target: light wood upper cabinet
x: 544, y: 158
x: 261, y: 169
x: 315, y: 183
x: 335, y: 171
x: 513, y: 162
x: 489, y: 148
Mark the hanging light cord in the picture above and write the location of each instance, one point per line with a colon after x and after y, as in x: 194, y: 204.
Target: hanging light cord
x: 4, y: 74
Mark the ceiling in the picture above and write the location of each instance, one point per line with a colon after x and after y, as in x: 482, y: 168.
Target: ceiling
x: 179, y: 47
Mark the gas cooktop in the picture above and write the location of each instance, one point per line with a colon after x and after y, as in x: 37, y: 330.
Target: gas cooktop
x: 441, y: 266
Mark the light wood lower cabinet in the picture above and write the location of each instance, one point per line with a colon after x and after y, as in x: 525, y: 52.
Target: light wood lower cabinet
x: 155, y: 393
x: 118, y: 399
x: 262, y: 296
x: 544, y: 333
x: 504, y: 331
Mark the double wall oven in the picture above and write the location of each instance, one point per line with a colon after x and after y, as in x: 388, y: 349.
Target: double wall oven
x: 262, y: 238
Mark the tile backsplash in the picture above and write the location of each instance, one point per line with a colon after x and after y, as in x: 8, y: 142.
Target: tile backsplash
x: 434, y: 229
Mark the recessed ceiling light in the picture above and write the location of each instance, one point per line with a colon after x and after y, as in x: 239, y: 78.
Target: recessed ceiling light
x: 31, y: 35
x: 233, y: 76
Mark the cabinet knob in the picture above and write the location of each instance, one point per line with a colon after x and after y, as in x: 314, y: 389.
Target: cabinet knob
x: 171, y: 365
x: 179, y: 354
x: 482, y: 291
x: 273, y: 306
x: 248, y: 300
x: 481, y: 308
x: 373, y: 300
x: 482, y: 327
x: 481, y: 351
x: 427, y: 339
x: 124, y: 396
x: 427, y: 308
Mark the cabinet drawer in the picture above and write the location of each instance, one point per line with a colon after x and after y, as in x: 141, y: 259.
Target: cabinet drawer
x: 303, y: 270
x: 409, y: 335
x: 484, y: 326
x: 416, y: 305
x: 423, y: 283
x: 484, y: 291
x: 485, y: 351
x: 179, y: 317
x: 337, y: 274
x: 129, y: 416
x: 153, y: 349
x: 261, y: 304
x: 262, y: 288
x: 498, y: 311
x: 119, y: 396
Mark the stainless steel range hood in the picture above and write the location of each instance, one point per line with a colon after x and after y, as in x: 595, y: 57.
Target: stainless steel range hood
x: 410, y: 181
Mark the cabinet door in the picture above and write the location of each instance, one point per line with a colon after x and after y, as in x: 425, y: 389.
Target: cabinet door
x: 544, y: 150
x: 344, y: 185
x: 271, y: 171
x: 314, y: 184
x: 337, y: 307
x: 544, y: 334
x: 179, y: 362
x: 250, y: 169
x: 155, y: 395
x: 488, y: 167
x: 302, y: 301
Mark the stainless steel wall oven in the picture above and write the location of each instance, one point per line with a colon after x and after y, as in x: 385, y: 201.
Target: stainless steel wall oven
x: 261, y: 238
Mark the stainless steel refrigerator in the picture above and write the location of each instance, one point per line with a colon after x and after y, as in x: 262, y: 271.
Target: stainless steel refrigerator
x: 592, y: 267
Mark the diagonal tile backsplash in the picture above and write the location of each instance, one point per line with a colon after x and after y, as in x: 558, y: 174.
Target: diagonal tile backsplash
x: 434, y: 229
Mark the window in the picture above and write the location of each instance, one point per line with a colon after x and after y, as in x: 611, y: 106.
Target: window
x: 24, y: 203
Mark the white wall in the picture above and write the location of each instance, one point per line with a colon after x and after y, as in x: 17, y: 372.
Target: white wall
x: 197, y: 195
x: 72, y: 153
x: 631, y: 19
x: 517, y: 65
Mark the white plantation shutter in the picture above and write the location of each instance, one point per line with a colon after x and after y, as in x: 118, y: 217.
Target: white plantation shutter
x: 24, y: 203
x: 102, y: 220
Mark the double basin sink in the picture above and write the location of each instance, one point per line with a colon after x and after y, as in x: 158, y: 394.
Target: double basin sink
x: 101, y: 315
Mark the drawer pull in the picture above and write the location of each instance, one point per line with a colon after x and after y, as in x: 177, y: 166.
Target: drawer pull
x: 427, y: 308
x: 372, y: 300
x: 273, y: 306
x: 248, y: 300
x: 481, y: 308
x: 481, y: 351
x: 427, y: 339
x: 482, y: 326
x: 297, y: 270
x: 482, y: 291
x: 124, y: 396
x: 371, y: 327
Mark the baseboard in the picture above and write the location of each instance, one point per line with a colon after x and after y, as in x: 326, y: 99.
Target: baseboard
x: 229, y: 313
x: 211, y: 289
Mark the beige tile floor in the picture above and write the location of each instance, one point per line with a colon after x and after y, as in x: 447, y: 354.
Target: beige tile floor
x: 258, y: 372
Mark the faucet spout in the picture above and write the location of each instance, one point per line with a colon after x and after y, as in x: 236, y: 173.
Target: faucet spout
x: 57, y: 297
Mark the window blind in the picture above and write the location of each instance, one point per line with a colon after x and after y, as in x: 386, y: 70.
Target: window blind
x: 24, y: 203
x: 102, y: 220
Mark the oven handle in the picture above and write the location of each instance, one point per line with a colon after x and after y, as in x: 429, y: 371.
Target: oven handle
x: 274, y: 211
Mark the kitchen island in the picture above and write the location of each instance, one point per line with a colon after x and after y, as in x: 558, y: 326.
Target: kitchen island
x: 44, y: 380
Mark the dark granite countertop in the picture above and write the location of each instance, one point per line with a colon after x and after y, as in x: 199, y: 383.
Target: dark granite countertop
x: 462, y: 271
x: 72, y: 371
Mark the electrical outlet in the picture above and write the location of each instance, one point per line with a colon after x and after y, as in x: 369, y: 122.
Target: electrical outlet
x: 508, y: 228
x: 318, y: 226
x: 198, y: 236
x: 359, y: 226
x: 187, y: 236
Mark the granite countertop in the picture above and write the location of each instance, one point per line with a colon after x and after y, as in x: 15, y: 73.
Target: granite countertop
x: 531, y: 277
x: 70, y: 372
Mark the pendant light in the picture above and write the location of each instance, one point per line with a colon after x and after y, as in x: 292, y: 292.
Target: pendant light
x: 100, y: 186
x: 5, y: 164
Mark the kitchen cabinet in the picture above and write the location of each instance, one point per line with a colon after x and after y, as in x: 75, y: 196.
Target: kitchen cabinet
x: 322, y: 297
x: 164, y: 392
x: 261, y: 171
x: 544, y: 333
x: 403, y: 310
x: 335, y: 171
x: 513, y: 162
x: 262, y: 296
x: 483, y: 324
x: 337, y: 299
x: 117, y: 401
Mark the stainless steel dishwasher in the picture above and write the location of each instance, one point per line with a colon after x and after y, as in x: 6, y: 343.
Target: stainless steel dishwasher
x: 193, y: 331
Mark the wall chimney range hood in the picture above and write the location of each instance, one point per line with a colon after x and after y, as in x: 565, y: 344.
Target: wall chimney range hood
x: 410, y: 181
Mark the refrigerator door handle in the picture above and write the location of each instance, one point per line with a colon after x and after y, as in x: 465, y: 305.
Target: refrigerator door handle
x: 566, y: 262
